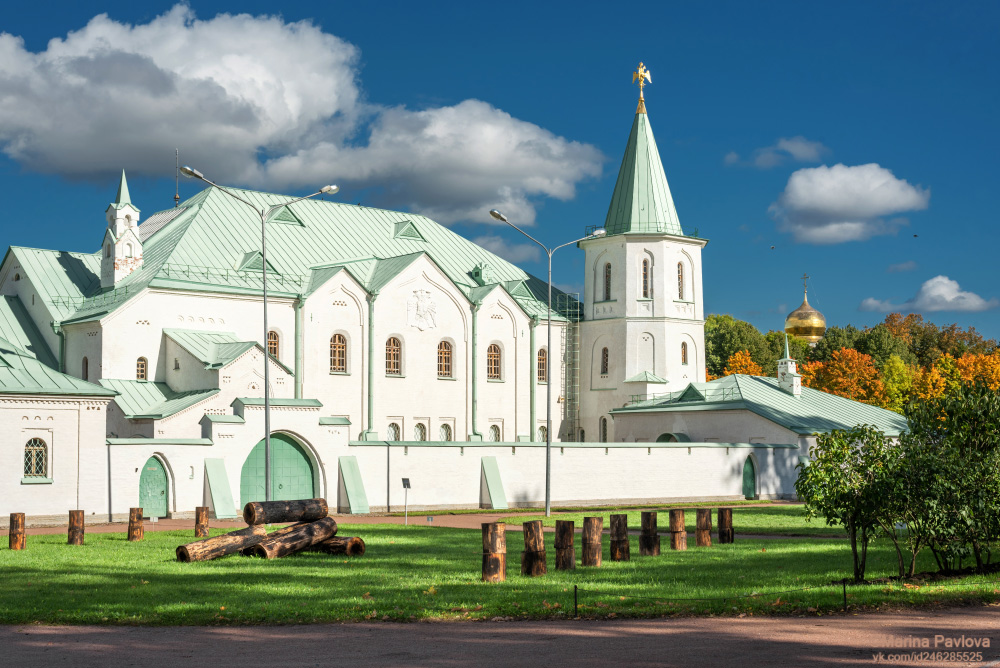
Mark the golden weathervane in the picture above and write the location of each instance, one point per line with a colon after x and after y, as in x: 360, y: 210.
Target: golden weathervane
x: 642, y: 74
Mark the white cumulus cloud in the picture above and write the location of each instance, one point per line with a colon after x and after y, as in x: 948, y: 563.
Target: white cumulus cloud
x: 255, y: 100
x: 828, y: 205
x: 786, y: 149
x: 937, y: 294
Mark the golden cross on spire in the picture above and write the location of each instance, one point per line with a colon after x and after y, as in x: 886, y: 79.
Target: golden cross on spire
x: 805, y: 282
x: 642, y: 74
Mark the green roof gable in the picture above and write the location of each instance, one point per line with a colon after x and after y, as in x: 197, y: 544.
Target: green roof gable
x: 214, y: 349
x: 405, y: 229
x: 23, y: 373
x: 146, y: 400
x: 646, y: 377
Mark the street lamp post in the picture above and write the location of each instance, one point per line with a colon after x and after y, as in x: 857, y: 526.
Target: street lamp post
x: 264, y: 214
x: 548, y: 353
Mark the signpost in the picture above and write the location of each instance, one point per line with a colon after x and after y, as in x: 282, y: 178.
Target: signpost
x: 406, y: 492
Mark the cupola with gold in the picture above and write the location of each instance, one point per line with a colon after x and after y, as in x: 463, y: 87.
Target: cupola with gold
x: 806, y: 322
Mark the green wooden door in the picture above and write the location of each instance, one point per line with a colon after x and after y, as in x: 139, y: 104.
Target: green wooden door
x: 291, y: 472
x: 153, y: 489
x: 749, y: 479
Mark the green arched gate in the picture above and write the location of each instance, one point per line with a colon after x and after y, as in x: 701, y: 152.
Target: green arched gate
x: 153, y: 488
x: 291, y: 472
x: 749, y: 479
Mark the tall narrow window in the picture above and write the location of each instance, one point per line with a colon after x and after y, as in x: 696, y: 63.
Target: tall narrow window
x: 493, y: 360
x: 583, y: 436
x: 85, y: 369
x: 420, y: 432
x: 392, y: 433
x: 604, y: 430
x: 36, y: 458
x: 444, y: 433
x: 605, y: 358
x: 107, y: 250
x: 645, y: 279
x: 17, y: 277
x: 543, y: 366
x: 684, y: 353
x: 607, y: 281
x: 494, y: 433
x: 393, y: 355
x: 141, y: 369
x: 338, y: 354
x: 680, y: 280
x: 444, y: 360
x: 543, y: 434
x: 272, y: 344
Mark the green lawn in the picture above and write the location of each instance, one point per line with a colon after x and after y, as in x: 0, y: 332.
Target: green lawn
x: 777, y: 520
x: 427, y: 572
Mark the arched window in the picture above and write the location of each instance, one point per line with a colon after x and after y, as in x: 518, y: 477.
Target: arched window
x: 128, y: 250
x: 272, y: 344
x: 84, y: 369
x: 645, y: 279
x: 444, y: 432
x: 684, y: 353
x: 338, y: 354
x: 494, y: 433
x: 680, y: 280
x: 17, y: 277
x: 141, y: 368
x: 393, y: 357
x: 36, y: 458
x: 542, y: 434
x: 444, y: 360
x: 493, y: 360
x: 107, y: 250
x: 543, y: 366
x: 604, y: 430
x: 420, y: 432
x: 392, y: 433
x: 604, y: 361
x: 607, y: 281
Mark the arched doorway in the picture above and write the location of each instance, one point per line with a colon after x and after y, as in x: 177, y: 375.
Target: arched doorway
x: 291, y: 472
x: 749, y: 479
x: 153, y: 488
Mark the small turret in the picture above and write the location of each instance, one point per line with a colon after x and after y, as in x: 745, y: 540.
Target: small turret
x: 789, y: 379
x: 121, y: 252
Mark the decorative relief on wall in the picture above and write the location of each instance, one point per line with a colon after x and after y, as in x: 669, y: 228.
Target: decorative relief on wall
x: 496, y: 316
x: 645, y: 308
x: 339, y: 302
x: 685, y: 309
x: 142, y: 322
x: 421, y: 311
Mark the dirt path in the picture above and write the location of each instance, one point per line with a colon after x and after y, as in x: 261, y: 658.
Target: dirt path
x: 746, y: 643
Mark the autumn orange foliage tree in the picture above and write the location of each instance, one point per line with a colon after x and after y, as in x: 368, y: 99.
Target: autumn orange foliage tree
x: 742, y: 362
x: 849, y: 374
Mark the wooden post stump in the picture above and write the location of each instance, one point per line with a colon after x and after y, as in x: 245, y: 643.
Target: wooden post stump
x: 649, y: 539
x: 591, y: 552
x: 75, y: 534
x: 565, y: 549
x: 619, y: 538
x: 533, y: 557
x: 201, y: 522
x: 135, y: 528
x: 726, y: 525
x: 494, y: 552
x: 678, y: 530
x: 703, y: 528
x: 16, y: 535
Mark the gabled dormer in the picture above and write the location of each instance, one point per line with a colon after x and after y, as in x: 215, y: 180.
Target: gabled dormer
x: 121, y: 252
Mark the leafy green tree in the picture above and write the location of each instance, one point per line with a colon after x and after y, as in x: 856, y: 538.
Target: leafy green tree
x: 725, y: 336
x: 880, y: 343
x: 834, y: 339
x: 897, y: 377
x: 797, y: 348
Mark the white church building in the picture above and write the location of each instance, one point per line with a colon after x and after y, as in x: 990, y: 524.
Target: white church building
x: 134, y: 376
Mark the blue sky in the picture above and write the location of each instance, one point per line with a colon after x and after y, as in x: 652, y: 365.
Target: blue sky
x: 858, y: 140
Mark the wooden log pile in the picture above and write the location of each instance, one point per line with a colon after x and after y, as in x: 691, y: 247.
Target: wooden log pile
x: 313, y: 530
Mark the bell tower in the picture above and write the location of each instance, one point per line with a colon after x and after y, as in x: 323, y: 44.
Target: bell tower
x: 121, y: 252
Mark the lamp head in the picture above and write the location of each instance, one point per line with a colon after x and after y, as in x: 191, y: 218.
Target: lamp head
x: 499, y: 216
x: 598, y: 233
x: 191, y: 172
x: 329, y: 190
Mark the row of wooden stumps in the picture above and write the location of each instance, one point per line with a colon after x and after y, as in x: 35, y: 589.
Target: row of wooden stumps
x: 533, y: 557
x: 313, y: 530
x: 76, y: 531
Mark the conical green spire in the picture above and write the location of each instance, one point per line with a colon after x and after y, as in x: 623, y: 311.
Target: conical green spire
x: 642, y: 201
x: 123, y: 196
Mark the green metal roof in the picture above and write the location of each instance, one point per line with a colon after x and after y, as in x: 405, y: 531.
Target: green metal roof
x: 641, y: 201
x: 646, y: 377
x: 811, y: 412
x: 278, y: 401
x: 18, y: 329
x: 224, y: 419
x: 122, y: 198
x: 334, y: 421
x: 215, y: 349
x: 22, y: 373
x: 146, y: 400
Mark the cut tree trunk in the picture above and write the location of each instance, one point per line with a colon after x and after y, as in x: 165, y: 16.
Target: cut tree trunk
x: 649, y: 539
x: 135, y: 528
x: 220, y: 546
x: 726, y: 534
x: 276, y: 512
x: 16, y: 537
x: 201, y: 522
x: 351, y: 546
x: 76, y: 530
x: 248, y: 550
x: 533, y: 557
x: 591, y: 540
x: 678, y: 530
x: 494, y: 551
x: 703, y: 528
x: 565, y: 549
x: 296, y: 540
x: 619, y: 538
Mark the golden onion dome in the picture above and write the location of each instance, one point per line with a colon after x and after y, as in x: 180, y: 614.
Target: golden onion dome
x: 806, y: 322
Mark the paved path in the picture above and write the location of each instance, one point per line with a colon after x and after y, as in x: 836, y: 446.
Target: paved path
x: 747, y: 642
